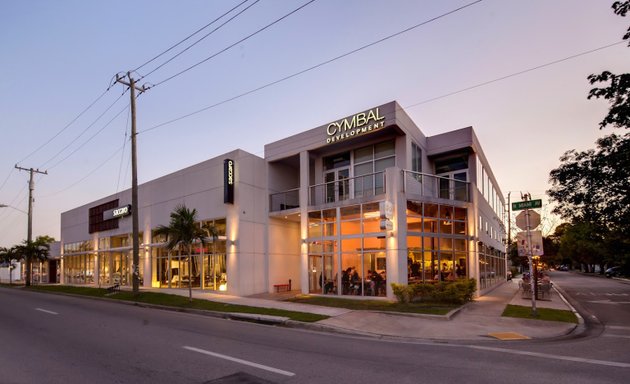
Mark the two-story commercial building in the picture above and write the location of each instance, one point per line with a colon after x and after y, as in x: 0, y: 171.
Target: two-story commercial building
x: 346, y: 208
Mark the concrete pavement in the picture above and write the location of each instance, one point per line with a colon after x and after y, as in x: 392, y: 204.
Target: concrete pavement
x: 478, y: 320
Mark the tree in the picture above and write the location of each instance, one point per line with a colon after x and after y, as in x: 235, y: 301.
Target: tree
x: 35, y: 250
x: 181, y: 233
x: 594, y: 186
x: 584, y: 244
x: 618, y: 89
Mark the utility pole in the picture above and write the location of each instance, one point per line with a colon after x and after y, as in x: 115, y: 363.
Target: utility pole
x: 131, y: 83
x: 29, y: 231
x: 509, y: 221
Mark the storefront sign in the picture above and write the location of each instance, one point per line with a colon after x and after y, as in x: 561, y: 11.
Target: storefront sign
x: 386, y: 209
x: 117, y: 212
x: 228, y: 181
x: 356, y: 125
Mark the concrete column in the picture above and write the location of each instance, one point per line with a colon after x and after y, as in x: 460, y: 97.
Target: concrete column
x: 396, y: 238
x: 304, y: 192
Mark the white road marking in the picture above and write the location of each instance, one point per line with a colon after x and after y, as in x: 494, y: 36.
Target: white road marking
x: 46, y: 311
x: 555, y: 357
x: 616, y: 336
x: 617, y: 327
x: 244, y: 362
x: 608, y: 301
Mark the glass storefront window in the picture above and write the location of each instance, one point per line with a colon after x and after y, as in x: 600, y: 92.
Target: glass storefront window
x: 431, y: 210
x: 384, y: 149
x: 372, y: 225
x: 430, y: 225
x: 350, y: 213
x: 365, y: 253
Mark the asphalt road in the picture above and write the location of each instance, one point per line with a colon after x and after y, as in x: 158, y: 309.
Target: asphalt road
x: 58, y: 339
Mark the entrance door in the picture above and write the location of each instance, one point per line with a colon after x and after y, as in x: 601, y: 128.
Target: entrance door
x: 321, y: 274
x: 315, y: 276
x: 337, y: 184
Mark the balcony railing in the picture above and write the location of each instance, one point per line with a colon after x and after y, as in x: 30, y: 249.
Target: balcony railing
x: 435, y: 186
x: 371, y: 185
x: 347, y: 188
x: 284, y: 200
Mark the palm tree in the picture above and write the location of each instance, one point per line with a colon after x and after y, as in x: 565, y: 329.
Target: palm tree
x: 181, y: 233
x: 6, y: 255
x: 34, y: 250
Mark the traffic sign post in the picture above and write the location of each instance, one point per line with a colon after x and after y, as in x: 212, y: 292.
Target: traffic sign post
x: 534, y: 220
x: 527, y: 221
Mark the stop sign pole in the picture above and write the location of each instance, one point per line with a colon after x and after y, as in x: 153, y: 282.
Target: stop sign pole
x: 532, y: 279
x: 526, y: 205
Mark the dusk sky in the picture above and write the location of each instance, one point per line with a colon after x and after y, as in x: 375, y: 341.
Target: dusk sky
x: 58, y: 57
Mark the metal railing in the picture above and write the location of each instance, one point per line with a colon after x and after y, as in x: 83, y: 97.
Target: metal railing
x: 349, y: 188
x: 435, y: 186
x: 284, y: 200
x: 372, y: 184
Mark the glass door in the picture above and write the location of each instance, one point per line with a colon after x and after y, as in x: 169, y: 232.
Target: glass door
x: 453, y: 186
x: 337, y: 184
x: 316, y: 277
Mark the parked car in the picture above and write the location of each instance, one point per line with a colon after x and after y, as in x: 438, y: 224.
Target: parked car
x: 613, y: 272
x: 563, y: 268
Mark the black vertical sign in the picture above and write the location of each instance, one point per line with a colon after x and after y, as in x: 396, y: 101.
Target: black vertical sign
x: 228, y: 181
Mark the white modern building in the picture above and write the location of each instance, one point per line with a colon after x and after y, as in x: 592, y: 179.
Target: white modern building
x: 367, y: 196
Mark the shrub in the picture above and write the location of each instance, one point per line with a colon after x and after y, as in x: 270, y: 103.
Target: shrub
x: 455, y: 292
x: 403, y: 293
x: 422, y: 292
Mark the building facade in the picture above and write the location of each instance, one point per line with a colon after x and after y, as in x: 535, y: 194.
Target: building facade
x: 346, y: 208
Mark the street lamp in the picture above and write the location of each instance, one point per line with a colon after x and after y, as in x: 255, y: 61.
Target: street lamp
x: 10, y: 206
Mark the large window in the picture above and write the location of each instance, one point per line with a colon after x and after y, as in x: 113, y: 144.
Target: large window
x: 369, y: 163
x: 206, y: 268
x: 351, y: 260
x: 436, y: 242
x: 416, y: 158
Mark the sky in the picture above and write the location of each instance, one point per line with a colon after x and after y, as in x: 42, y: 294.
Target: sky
x: 513, y: 70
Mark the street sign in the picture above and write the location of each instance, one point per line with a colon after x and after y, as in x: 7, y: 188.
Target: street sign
x: 534, y: 220
x: 387, y: 225
x: 536, y: 246
x: 530, y: 204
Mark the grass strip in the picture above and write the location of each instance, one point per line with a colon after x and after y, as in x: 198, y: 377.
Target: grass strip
x: 547, y: 314
x: 375, y: 305
x: 176, y: 301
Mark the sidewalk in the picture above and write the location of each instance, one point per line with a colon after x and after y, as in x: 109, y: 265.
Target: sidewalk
x: 479, y: 320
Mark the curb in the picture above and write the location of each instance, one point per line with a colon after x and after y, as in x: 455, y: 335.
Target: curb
x: 581, y: 325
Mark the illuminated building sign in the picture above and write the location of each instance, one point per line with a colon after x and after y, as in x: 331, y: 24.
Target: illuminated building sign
x: 355, y: 125
x: 228, y: 181
x: 117, y: 212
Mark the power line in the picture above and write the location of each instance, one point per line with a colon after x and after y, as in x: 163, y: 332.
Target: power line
x: 203, y: 37
x: 83, y: 132
x: 69, y: 124
x: 406, y: 107
x: 88, y: 175
x: 89, y: 139
x: 188, y: 37
x: 515, y: 74
x: 122, y: 157
x: 313, y: 67
x: 236, y: 43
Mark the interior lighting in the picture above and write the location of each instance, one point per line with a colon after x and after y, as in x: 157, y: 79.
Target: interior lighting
x: 371, y: 215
